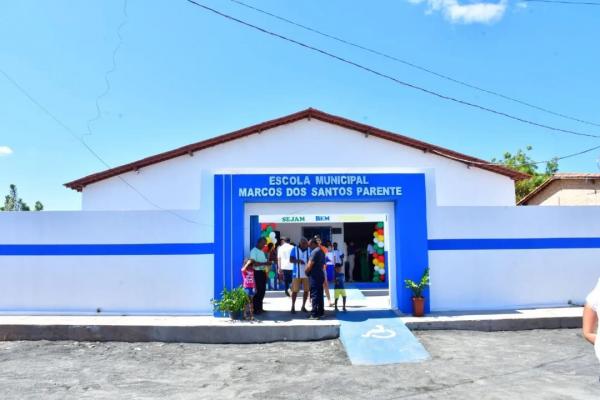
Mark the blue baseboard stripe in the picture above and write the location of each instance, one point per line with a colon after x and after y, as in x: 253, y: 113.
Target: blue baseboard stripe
x: 515, y: 243
x: 136, y: 249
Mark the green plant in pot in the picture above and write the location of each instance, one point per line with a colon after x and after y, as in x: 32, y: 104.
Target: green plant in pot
x: 417, y: 290
x: 232, y: 302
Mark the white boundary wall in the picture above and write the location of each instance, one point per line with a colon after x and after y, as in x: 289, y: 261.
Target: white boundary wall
x: 184, y: 284
x: 128, y: 284
x: 506, y: 279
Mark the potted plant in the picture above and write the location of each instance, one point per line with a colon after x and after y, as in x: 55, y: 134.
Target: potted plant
x: 232, y: 302
x: 417, y: 288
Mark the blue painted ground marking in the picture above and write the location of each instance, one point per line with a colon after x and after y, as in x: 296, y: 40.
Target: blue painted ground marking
x: 378, y: 337
x: 354, y: 294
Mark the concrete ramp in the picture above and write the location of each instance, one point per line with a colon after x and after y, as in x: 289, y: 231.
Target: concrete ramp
x: 377, y: 337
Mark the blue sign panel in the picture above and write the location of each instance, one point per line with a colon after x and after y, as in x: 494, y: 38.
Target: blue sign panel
x: 405, y: 191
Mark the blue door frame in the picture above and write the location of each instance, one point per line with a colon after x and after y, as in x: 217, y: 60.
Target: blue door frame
x: 405, y: 191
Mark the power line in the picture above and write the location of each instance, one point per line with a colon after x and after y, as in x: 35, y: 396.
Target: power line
x: 88, y: 147
x: 416, y: 66
x: 585, y: 3
x: 391, y: 78
x: 579, y: 153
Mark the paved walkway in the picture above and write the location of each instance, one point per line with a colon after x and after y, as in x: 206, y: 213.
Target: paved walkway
x: 275, y: 325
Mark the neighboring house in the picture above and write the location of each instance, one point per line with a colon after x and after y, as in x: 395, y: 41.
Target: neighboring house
x: 566, y: 189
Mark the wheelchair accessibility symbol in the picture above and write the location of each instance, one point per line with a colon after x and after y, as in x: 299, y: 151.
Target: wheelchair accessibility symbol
x: 379, y: 332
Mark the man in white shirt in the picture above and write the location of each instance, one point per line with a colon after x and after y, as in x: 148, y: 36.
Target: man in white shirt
x: 284, y: 266
x: 299, y: 259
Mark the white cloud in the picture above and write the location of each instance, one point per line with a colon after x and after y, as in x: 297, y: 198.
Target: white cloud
x: 5, y: 150
x: 470, y: 13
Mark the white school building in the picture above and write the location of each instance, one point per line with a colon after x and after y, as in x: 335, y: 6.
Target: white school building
x: 165, y: 234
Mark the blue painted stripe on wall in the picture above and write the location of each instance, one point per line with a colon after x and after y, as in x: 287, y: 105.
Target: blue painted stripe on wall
x: 514, y: 243
x: 140, y: 249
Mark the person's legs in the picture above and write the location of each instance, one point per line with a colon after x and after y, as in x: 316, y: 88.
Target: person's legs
x: 351, y: 268
x: 314, y: 293
x: 295, y: 289
x: 305, y: 292
x: 251, y: 305
x: 343, y: 303
x: 287, y: 277
x: 261, y: 281
x: 320, y: 302
x: 326, y: 289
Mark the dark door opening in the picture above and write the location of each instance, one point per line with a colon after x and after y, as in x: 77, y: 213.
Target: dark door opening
x: 324, y: 232
x: 361, y: 235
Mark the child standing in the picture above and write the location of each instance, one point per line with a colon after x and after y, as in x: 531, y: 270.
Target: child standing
x: 339, y: 289
x: 249, y: 286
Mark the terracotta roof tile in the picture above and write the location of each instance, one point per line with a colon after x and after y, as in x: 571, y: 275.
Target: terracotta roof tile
x: 79, y: 184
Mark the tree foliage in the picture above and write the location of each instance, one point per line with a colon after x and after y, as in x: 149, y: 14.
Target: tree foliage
x: 521, y: 161
x: 12, y: 202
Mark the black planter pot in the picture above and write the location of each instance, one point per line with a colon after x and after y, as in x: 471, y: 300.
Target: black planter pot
x: 235, y: 315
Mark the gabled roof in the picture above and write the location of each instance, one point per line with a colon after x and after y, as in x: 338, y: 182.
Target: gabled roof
x: 557, y: 177
x: 309, y: 113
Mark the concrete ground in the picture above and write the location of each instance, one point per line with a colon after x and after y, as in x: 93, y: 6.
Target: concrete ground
x: 536, y: 364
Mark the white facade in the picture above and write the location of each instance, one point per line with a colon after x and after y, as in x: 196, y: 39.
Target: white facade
x: 186, y: 182
x: 463, y: 203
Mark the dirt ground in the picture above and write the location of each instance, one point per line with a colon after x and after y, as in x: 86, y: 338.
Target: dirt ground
x: 551, y: 364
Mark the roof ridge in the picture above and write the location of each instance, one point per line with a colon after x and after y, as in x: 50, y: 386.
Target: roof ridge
x: 310, y: 112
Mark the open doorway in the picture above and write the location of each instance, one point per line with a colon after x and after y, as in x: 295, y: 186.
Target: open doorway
x: 359, y: 237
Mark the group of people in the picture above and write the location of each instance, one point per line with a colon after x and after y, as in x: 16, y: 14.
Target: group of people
x: 309, y: 266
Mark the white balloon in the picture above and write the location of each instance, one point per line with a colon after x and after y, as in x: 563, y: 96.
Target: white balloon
x: 382, y: 271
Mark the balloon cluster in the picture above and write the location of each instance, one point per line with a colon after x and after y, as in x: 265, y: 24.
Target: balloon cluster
x: 379, y: 256
x: 268, y: 233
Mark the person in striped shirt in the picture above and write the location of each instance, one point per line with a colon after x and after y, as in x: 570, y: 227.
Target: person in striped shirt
x: 299, y: 259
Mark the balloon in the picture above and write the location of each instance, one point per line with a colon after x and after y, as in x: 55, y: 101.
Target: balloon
x: 374, y: 262
x: 380, y: 252
x: 381, y: 272
x: 273, y: 225
x: 375, y: 240
x: 271, y: 274
x: 263, y: 227
x: 269, y: 229
x: 273, y: 235
x: 375, y: 233
x: 382, y: 278
x: 380, y: 224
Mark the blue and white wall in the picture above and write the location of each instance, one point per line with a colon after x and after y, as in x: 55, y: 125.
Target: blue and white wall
x: 123, y: 262
x: 485, y: 258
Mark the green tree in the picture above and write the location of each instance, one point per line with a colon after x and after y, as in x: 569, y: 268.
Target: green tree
x: 12, y: 202
x: 521, y: 161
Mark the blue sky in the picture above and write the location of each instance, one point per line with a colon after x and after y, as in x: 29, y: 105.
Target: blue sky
x: 183, y: 75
